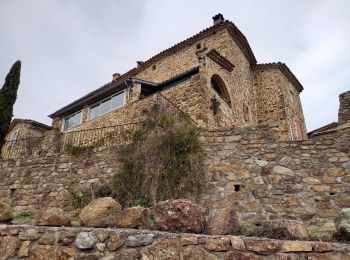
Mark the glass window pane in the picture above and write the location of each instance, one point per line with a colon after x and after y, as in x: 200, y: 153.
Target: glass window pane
x: 105, y: 106
x: 117, y: 101
x: 94, y: 112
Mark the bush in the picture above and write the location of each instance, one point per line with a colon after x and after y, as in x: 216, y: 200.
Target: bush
x: 82, y: 196
x: 161, y: 160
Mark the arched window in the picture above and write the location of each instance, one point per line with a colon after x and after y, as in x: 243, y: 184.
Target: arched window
x: 219, y: 86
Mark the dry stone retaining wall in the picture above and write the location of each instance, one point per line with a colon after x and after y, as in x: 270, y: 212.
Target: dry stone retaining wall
x: 20, y: 241
x: 245, y: 169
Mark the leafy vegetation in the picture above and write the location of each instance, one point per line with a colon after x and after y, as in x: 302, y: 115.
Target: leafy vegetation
x: 161, y: 160
x: 26, y: 215
x: 8, y: 96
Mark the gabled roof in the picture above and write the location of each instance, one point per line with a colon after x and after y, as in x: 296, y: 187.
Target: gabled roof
x: 285, y: 70
x: 332, y: 127
x: 103, y: 91
x: 27, y: 121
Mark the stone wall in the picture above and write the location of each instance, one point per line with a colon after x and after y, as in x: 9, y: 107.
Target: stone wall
x: 85, y: 243
x: 344, y: 108
x: 278, y: 101
x: 266, y: 179
x: 244, y: 168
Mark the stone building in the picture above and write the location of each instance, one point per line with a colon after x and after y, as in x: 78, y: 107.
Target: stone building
x: 23, y: 135
x: 332, y: 129
x: 213, y: 76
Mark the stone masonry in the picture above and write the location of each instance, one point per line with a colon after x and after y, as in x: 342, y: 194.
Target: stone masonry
x: 22, y: 242
x: 244, y: 168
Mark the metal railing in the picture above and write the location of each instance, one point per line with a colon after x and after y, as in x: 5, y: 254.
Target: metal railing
x: 22, y: 148
x: 97, y: 137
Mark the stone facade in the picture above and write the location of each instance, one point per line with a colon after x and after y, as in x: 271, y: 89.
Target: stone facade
x: 23, y: 137
x: 247, y: 169
x: 255, y: 94
x: 33, y: 242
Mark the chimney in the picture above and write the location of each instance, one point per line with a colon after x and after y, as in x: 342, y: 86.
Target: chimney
x: 139, y: 63
x: 115, y: 75
x: 344, y: 108
x: 219, y: 18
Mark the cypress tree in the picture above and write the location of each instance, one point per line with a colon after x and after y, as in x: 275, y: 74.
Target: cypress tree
x: 8, y: 96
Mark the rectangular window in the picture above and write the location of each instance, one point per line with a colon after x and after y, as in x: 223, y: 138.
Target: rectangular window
x: 107, y: 105
x: 72, y: 120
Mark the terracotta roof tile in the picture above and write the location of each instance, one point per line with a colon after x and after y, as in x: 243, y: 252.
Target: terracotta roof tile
x: 27, y: 121
x: 235, y: 33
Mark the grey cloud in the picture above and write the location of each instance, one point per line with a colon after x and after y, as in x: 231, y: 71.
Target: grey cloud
x: 69, y: 48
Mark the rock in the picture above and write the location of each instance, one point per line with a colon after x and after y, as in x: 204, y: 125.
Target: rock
x: 139, y: 240
x: 100, y: 212
x: 101, y: 247
x: 44, y: 252
x: 342, y: 224
x: 66, y: 238
x: 103, y: 236
x: 286, y: 161
x: 223, y: 221
x: 197, y: 253
x: 186, y: 240
x: 292, y: 229
x: 237, y: 243
x: 163, y: 249
x: 85, y: 240
x: 135, y: 217
x: 8, y: 246
x: 322, y: 247
x: 53, y: 217
x: 24, y: 249
x: 264, y: 247
x: 178, y: 216
x: 288, y: 256
x: 282, y: 170
x: 6, y: 213
x: 47, y: 239
x: 115, y: 242
x: 29, y: 234
x: 237, y: 255
x: 217, y: 244
x: 296, y: 246
x: 124, y: 254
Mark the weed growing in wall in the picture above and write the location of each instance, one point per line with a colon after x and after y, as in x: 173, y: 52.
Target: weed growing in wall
x: 161, y: 160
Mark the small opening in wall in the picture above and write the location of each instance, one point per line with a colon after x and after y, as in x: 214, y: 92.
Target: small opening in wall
x: 198, y: 46
x: 154, y: 67
x: 332, y: 193
x: 237, y: 187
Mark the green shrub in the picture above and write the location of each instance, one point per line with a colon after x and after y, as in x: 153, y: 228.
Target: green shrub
x: 26, y: 215
x: 161, y: 160
x: 81, y: 196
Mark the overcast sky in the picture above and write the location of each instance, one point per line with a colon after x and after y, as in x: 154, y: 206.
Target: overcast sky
x: 69, y: 48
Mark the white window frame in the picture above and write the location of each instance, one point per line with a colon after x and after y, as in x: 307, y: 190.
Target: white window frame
x: 14, y: 137
x: 102, y: 100
x: 64, y: 119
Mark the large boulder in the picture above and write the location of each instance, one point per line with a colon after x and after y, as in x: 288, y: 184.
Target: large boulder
x: 135, y: 217
x: 100, y: 212
x: 53, y: 217
x: 223, y: 221
x: 178, y: 216
x: 6, y: 213
x: 291, y: 229
x: 342, y: 224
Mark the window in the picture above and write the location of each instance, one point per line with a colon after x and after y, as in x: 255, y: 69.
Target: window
x: 14, y: 137
x: 72, y: 120
x: 107, y: 105
x: 219, y: 86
